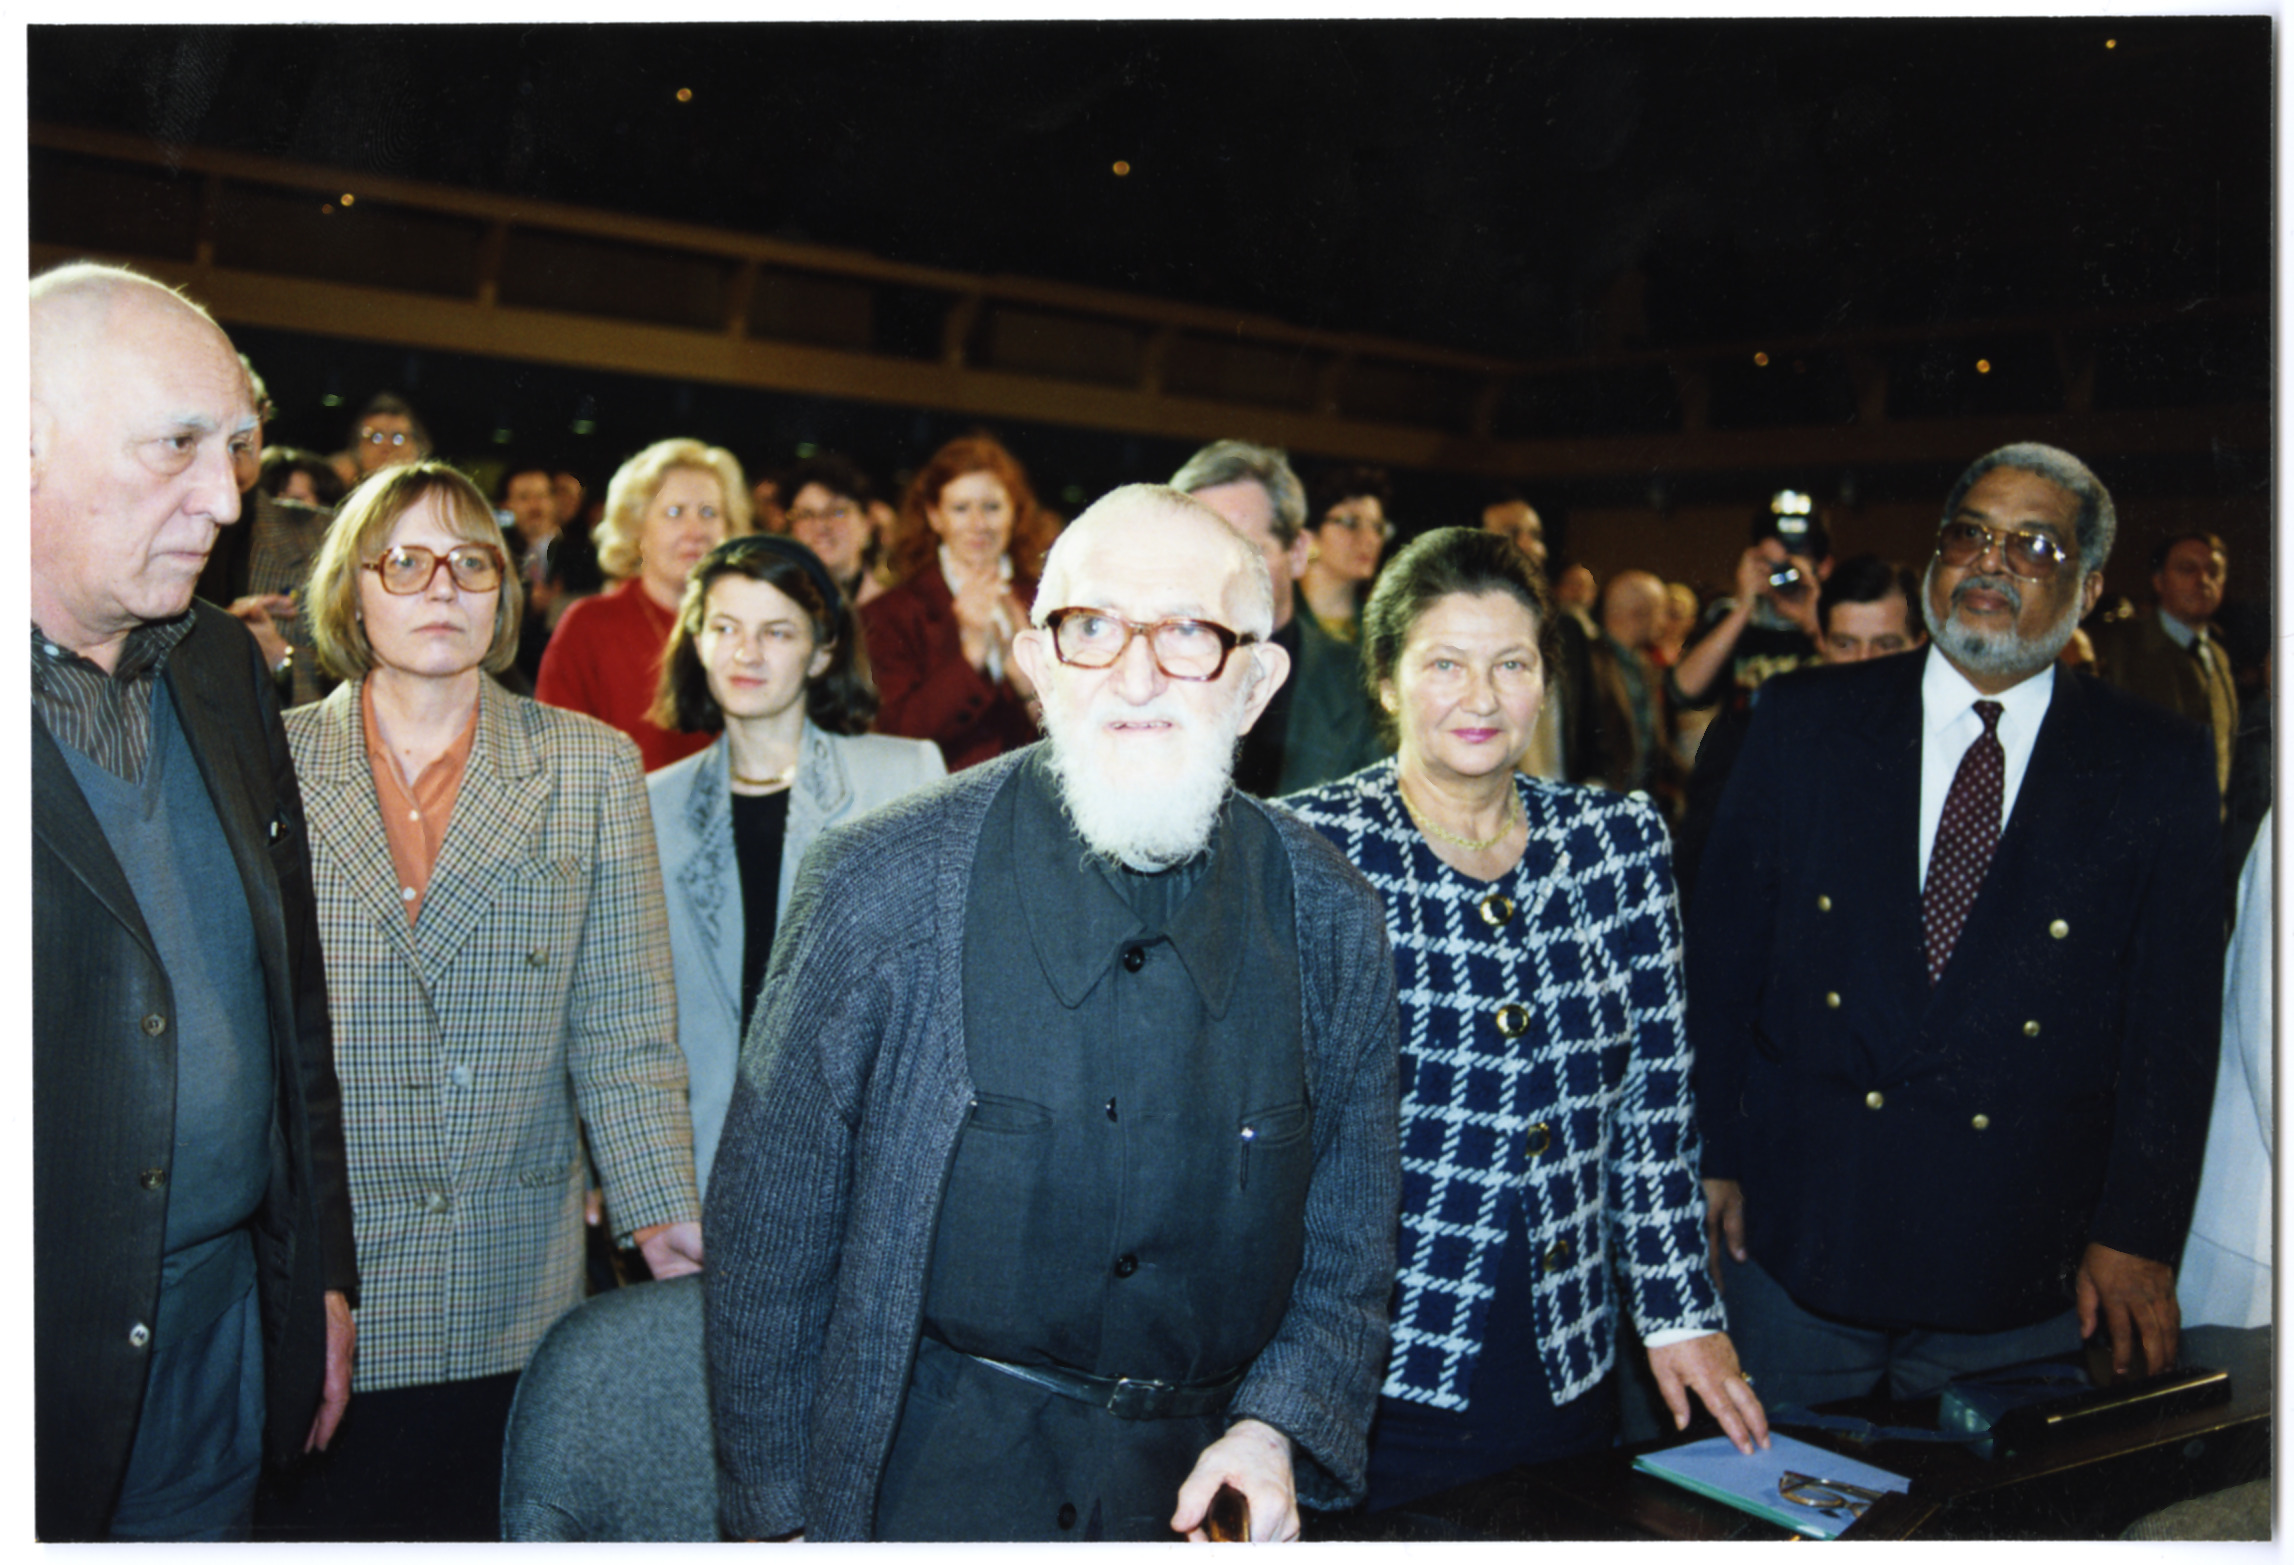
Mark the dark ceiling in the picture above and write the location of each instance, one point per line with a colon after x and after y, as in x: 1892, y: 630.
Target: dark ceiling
x: 1519, y: 188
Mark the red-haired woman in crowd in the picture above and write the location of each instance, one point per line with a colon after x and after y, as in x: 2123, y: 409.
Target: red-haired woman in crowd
x: 970, y: 543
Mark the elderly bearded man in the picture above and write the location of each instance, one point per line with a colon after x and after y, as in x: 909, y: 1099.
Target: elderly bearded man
x: 1059, y: 1182
x: 1955, y: 968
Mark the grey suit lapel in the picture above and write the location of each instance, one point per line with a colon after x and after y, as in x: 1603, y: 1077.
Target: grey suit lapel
x: 339, y: 798
x: 223, y: 767
x: 505, y: 788
x: 62, y: 820
x: 709, y: 879
x: 821, y: 796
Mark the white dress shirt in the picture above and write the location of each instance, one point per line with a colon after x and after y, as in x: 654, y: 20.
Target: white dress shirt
x: 1949, y: 726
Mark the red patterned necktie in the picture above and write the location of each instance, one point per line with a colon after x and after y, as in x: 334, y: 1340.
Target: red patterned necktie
x: 1965, y: 838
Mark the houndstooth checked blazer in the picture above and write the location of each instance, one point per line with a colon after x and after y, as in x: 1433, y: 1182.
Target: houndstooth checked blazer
x: 1584, y: 1112
x: 532, y: 999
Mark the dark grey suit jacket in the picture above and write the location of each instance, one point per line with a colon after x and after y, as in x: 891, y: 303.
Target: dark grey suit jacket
x: 103, y: 1106
x: 1942, y: 1157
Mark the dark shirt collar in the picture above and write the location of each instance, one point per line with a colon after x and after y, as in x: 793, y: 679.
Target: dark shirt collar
x: 104, y: 716
x: 145, y: 651
x: 1080, y: 922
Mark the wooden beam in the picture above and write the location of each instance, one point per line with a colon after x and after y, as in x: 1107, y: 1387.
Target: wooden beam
x: 491, y: 251
x: 413, y: 320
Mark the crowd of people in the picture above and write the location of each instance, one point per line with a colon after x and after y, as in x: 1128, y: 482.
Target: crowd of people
x: 1189, y: 1001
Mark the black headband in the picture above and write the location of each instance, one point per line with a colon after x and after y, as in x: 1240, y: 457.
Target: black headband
x: 732, y: 549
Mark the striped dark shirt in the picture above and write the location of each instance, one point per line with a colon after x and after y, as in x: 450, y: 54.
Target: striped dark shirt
x: 106, y: 717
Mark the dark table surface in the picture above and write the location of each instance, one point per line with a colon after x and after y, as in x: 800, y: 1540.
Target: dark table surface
x: 2084, y: 1487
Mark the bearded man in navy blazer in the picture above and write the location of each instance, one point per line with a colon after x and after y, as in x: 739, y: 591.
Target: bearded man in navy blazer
x: 1954, y: 970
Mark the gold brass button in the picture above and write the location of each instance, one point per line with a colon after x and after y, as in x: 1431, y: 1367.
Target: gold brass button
x: 1497, y: 907
x: 2030, y: 1029
x: 2059, y: 929
x: 1823, y: 904
x: 1873, y: 1100
x: 154, y: 1025
x: 1539, y: 1138
x: 1513, y: 1020
x: 1981, y: 1122
x: 1832, y: 1002
x: 1557, y: 1257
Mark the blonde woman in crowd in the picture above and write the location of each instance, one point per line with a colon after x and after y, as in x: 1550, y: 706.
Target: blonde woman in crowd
x: 669, y: 505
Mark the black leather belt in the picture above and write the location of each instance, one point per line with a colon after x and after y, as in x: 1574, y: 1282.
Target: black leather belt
x: 1125, y: 1398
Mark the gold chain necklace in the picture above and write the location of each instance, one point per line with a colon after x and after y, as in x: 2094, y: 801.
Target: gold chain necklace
x: 1512, y: 811
x: 780, y: 779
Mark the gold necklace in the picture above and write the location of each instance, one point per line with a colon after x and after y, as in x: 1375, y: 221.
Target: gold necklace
x: 1512, y: 809
x: 774, y: 783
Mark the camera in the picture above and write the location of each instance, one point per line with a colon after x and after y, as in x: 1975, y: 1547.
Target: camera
x: 1790, y: 518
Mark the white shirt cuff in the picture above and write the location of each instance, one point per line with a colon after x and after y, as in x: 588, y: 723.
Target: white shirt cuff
x: 1673, y: 1334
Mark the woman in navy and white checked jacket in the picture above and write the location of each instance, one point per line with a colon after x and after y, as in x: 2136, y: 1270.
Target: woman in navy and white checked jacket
x: 1547, y: 1130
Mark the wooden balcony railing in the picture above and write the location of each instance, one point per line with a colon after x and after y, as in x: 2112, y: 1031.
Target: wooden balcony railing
x: 295, y: 247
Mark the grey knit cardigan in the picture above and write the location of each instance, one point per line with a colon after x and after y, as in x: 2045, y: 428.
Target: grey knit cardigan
x: 853, y: 1089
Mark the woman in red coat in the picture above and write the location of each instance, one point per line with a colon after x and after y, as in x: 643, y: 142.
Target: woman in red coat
x: 669, y: 505
x: 971, y: 541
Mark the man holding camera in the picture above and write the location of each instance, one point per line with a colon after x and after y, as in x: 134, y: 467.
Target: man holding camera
x: 1770, y: 626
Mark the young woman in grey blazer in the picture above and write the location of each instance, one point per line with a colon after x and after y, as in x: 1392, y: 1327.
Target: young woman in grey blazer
x: 767, y: 648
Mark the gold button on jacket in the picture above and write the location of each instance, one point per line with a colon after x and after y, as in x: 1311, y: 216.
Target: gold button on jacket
x: 1873, y: 1100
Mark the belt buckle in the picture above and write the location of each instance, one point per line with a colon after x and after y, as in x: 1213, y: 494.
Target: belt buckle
x: 1139, y: 1398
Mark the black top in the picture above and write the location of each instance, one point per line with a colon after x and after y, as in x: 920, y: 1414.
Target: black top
x: 1258, y: 764
x: 1770, y: 644
x: 1128, y: 1196
x: 760, y: 827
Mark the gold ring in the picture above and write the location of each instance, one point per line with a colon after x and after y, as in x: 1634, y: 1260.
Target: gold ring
x: 1744, y: 1376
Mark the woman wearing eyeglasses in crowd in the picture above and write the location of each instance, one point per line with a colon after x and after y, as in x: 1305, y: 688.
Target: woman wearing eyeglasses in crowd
x: 828, y: 512
x: 1348, y: 534
x: 1548, y: 1142
x: 971, y: 541
x: 499, y: 978
x: 668, y: 505
x: 766, y: 650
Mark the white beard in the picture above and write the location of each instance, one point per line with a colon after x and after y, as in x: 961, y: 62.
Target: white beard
x: 1138, y: 817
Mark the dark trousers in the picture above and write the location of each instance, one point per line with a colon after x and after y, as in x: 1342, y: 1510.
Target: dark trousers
x: 1510, y: 1419
x: 1795, y: 1355
x: 418, y: 1464
x: 199, y: 1443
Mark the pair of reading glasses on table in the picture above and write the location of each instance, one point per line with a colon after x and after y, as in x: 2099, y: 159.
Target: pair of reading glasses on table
x: 1187, y: 649
x: 1827, y: 1494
